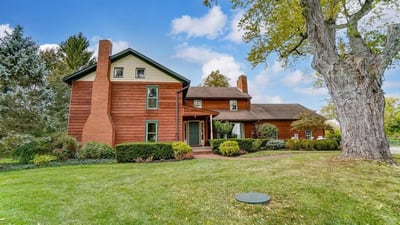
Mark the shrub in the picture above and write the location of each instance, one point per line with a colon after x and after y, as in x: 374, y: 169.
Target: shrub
x: 25, y: 152
x: 65, y: 147
x: 10, y: 142
x: 129, y: 152
x: 266, y: 131
x: 44, y: 159
x: 181, y: 149
x: 310, y: 145
x: 229, y: 148
x: 95, y: 150
x: 275, y: 144
x: 246, y: 144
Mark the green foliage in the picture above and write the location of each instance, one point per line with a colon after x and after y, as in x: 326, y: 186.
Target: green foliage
x: 246, y: 144
x: 275, y: 144
x: 26, y: 151
x: 259, y: 144
x: 392, y: 116
x: 74, y: 52
x: 95, y: 150
x: 10, y: 142
x: 310, y: 121
x: 229, y: 148
x: 311, y: 145
x: 24, y: 94
x: 65, y: 146
x: 43, y: 159
x: 216, y: 79
x: 334, y: 134
x: 181, y: 149
x: 329, y: 111
x: 223, y: 129
x: 266, y: 131
x: 129, y: 152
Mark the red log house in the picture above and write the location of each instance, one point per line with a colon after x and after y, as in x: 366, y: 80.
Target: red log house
x: 128, y: 97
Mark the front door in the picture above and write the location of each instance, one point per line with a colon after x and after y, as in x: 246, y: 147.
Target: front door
x: 194, y: 134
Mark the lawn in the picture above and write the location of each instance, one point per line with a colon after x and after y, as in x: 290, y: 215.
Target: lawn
x: 310, y: 188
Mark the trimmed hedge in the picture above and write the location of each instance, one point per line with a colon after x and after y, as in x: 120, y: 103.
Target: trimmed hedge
x: 229, y: 148
x: 311, y: 145
x: 246, y: 144
x: 275, y: 144
x: 129, y: 152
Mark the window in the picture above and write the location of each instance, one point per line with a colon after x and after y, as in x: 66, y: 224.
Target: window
x: 118, y: 72
x: 140, y: 73
x: 308, y: 134
x: 152, y: 97
x: 233, y: 105
x: 151, y: 130
x: 197, y: 103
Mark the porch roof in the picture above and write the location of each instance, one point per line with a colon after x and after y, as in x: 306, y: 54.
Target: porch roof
x: 241, y: 115
x: 192, y: 111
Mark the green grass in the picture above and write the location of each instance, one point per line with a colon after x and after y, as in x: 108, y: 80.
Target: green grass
x: 309, y: 188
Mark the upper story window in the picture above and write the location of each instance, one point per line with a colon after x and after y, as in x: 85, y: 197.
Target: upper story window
x: 197, y: 103
x: 152, y: 97
x: 140, y: 73
x: 233, y: 105
x: 118, y: 72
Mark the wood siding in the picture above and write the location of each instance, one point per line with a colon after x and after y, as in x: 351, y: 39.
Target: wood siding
x: 220, y: 104
x: 129, y: 114
x: 285, y: 130
x: 79, y: 110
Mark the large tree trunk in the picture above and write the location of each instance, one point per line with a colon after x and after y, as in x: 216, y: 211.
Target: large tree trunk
x: 359, y: 101
x: 354, y: 80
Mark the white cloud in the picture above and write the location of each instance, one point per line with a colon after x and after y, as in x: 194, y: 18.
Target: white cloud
x: 5, y: 28
x: 262, y: 78
x: 48, y: 47
x: 210, y: 25
x: 117, y: 46
x: 211, y: 61
x: 294, y: 78
x: 236, y: 33
x: 277, y: 67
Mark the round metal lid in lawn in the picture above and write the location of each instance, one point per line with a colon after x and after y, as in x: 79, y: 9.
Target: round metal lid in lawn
x: 253, y: 198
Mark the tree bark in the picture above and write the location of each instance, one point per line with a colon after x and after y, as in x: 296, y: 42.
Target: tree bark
x: 359, y: 102
x: 354, y: 82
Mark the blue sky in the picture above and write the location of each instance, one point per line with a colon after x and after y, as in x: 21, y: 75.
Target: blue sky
x: 183, y: 35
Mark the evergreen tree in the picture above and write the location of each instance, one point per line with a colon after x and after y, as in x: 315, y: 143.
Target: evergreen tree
x: 74, y: 52
x: 24, y: 95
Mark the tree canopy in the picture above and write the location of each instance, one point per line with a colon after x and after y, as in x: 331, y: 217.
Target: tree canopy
x: 216, y: 79
x: 74, y: 52
x: 350, y: 56
x: 309, y: 121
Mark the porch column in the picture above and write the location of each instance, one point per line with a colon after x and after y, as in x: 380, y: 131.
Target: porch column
x: 211, y: 128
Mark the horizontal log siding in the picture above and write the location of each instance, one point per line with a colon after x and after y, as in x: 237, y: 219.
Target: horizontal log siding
x: 79, y: 107
x: 285, y: 130
x: 220, y: 104
x: 128, y: 111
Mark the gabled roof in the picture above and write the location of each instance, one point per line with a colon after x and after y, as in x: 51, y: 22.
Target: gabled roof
x: 192, y: 111
x: 216, y: 93
x: 264, y: 112
x: 80, y: 73
x: 279, y: 111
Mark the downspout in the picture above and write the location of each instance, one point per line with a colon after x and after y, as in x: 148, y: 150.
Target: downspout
x: 211, y: 128
x: 177, y: 112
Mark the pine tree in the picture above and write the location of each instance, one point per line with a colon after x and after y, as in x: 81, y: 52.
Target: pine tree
x: 24, y: 95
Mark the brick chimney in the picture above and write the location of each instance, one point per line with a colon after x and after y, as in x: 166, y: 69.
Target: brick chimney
x: 242, y: 83
x: 99, y: 126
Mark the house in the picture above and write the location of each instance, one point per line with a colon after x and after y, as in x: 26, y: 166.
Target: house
x: 128, y: 97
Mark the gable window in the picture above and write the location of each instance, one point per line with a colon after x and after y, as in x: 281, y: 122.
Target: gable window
x: 118, y: 72
x: 197, y: 103
x: 152, y: 97
x: 151, y: 130
x: 140, y: 73
x: 308, y: 134
x: 233, y: 105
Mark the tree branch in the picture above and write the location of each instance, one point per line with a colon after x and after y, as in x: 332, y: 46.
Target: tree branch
x: 392, y: 47
x: 294, y: 49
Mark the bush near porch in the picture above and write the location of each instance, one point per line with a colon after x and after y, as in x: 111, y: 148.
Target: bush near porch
x: 130, y: 152
x: 246, y: 144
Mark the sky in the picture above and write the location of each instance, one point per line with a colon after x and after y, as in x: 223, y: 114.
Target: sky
x: 183, y: 35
